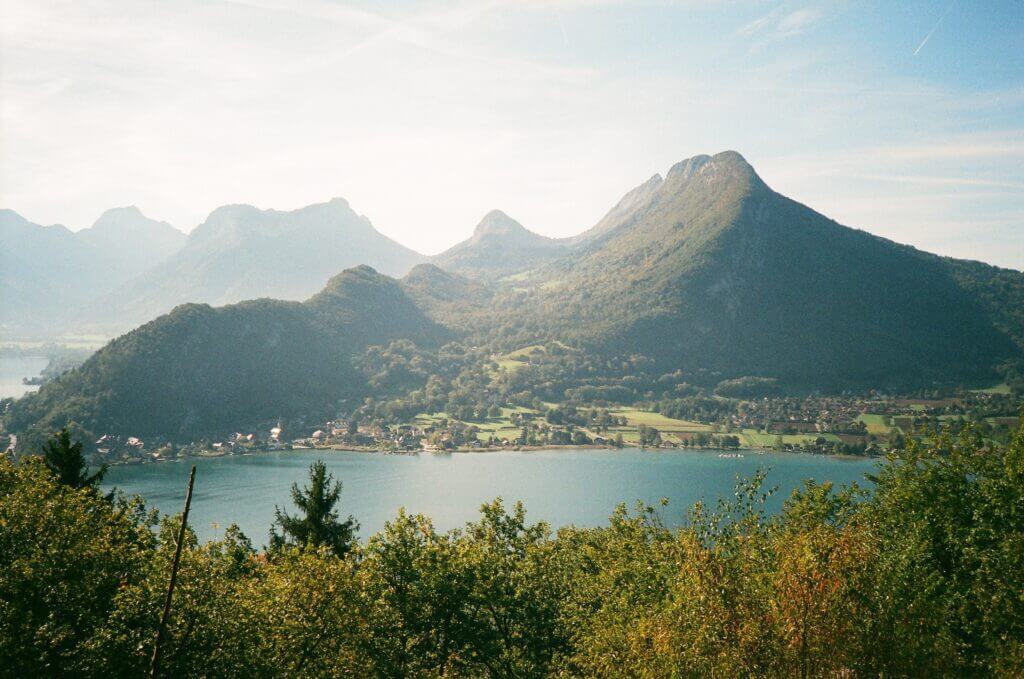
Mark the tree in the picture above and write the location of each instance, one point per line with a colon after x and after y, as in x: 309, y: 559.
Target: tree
x: 319, y: 525
x: 68, y: 464
x: 649, y: 436
x: 64, y: 558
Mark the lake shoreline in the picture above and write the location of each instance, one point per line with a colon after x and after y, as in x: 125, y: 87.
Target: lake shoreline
x: 723, y: 452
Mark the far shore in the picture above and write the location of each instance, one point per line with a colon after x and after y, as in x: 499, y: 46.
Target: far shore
x: 527, y: 449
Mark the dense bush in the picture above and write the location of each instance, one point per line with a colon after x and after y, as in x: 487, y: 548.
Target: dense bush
x: 748, y: 387
x: 921, y: 577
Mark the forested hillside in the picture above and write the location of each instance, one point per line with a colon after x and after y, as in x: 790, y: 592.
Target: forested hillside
x: 202, y: 370
x: 711, y: 269
x: 703, y: 277
x: 498, y: 247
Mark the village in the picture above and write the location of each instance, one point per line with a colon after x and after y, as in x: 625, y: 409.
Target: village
x: 863, y: 425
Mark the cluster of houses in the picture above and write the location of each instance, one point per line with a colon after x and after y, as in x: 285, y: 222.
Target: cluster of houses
x: 445, y: 435
x: 114, y: 449
x: 127, y: 449
x: 813, y: 414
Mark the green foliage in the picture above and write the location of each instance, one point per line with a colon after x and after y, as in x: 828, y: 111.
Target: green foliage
x: 712, y: 270
x: 649, y: 436
x: 748, y: 387
x: 920, y: 576
x: 705, y: 278
x: 209, y: 371
x: 68, y: 464
x: 318, y: 526
x: 65, y: 554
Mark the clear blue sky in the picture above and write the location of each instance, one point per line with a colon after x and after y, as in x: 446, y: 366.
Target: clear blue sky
x: 902, y: 118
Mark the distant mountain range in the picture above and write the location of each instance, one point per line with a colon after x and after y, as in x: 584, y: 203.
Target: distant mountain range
x: 127, y: 269
x: 704, y: 271
x: 241, y: 252
x: 48, y: 273
x: 498, y: 247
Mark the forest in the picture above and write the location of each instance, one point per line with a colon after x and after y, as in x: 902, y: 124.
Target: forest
x: 917, y: 572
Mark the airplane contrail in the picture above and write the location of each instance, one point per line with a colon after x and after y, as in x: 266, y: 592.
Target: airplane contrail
x: 933, y: 28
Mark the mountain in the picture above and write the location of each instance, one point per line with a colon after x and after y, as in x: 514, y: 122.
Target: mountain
x: 627, y: 210
x: 201, y: 370
x: 704, y: 275
x: 241, y: 252
x: 48, y: 273
x: 498, y: 247
x: 710, y: 269
x: 450, y: 299
x: 132, y: 240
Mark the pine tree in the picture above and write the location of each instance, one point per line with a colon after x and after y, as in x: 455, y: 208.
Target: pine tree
x: 318, y: 526
x: 68, y: 464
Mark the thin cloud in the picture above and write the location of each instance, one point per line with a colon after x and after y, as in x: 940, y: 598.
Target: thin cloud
x: 780, y: 23
x: 934, y: 28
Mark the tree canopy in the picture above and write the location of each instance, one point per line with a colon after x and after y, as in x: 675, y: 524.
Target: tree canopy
x: 318, y: 524
x: 920, y: 576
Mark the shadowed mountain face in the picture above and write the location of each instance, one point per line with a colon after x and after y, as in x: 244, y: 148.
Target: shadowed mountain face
x: 711, y: 269
x: 498, y: 247
x: 241, y: 252
x: 202, y: 370
x: 707, y: 270
x: 48, y: 273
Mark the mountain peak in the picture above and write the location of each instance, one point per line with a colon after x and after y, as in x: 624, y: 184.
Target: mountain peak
x: 125, y: 212
x: 8, y: 216
x: 128, y: 218
x: 724, y: 165
x: 497, y: 223
x: 499, y: 245
x: 688, y: 168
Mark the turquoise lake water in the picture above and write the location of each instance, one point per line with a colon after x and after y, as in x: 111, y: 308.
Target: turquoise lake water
x: 580, y: 487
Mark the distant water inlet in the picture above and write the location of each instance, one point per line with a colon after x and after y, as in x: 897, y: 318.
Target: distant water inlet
x: 580, y: 487
x: 13, y: 370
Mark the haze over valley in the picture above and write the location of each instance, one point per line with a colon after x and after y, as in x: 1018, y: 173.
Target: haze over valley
x: 707, y: 274
x: 448, y: 338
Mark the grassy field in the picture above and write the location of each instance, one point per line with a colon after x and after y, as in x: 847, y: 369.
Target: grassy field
x: 514, y: 360
x: 672, y: 430
x: 501, y: 427
x: 876, y: 424
x: 660, y: 422
x: 759, y: 439
x: 998, y: 389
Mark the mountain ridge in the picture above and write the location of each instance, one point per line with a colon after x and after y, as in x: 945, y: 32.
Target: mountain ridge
x: 201, y: 370
x: 498, y: 246
x: 50, y: 271
x: 706, y: 273
x: 241, y: 252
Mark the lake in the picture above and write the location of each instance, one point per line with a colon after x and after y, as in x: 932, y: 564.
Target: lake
x: 14, y: 369
x: 562, y: 487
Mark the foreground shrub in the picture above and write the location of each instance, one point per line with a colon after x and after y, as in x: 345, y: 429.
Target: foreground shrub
x: 921, y: 576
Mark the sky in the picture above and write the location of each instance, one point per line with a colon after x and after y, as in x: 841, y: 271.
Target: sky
x: 905, y: 119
